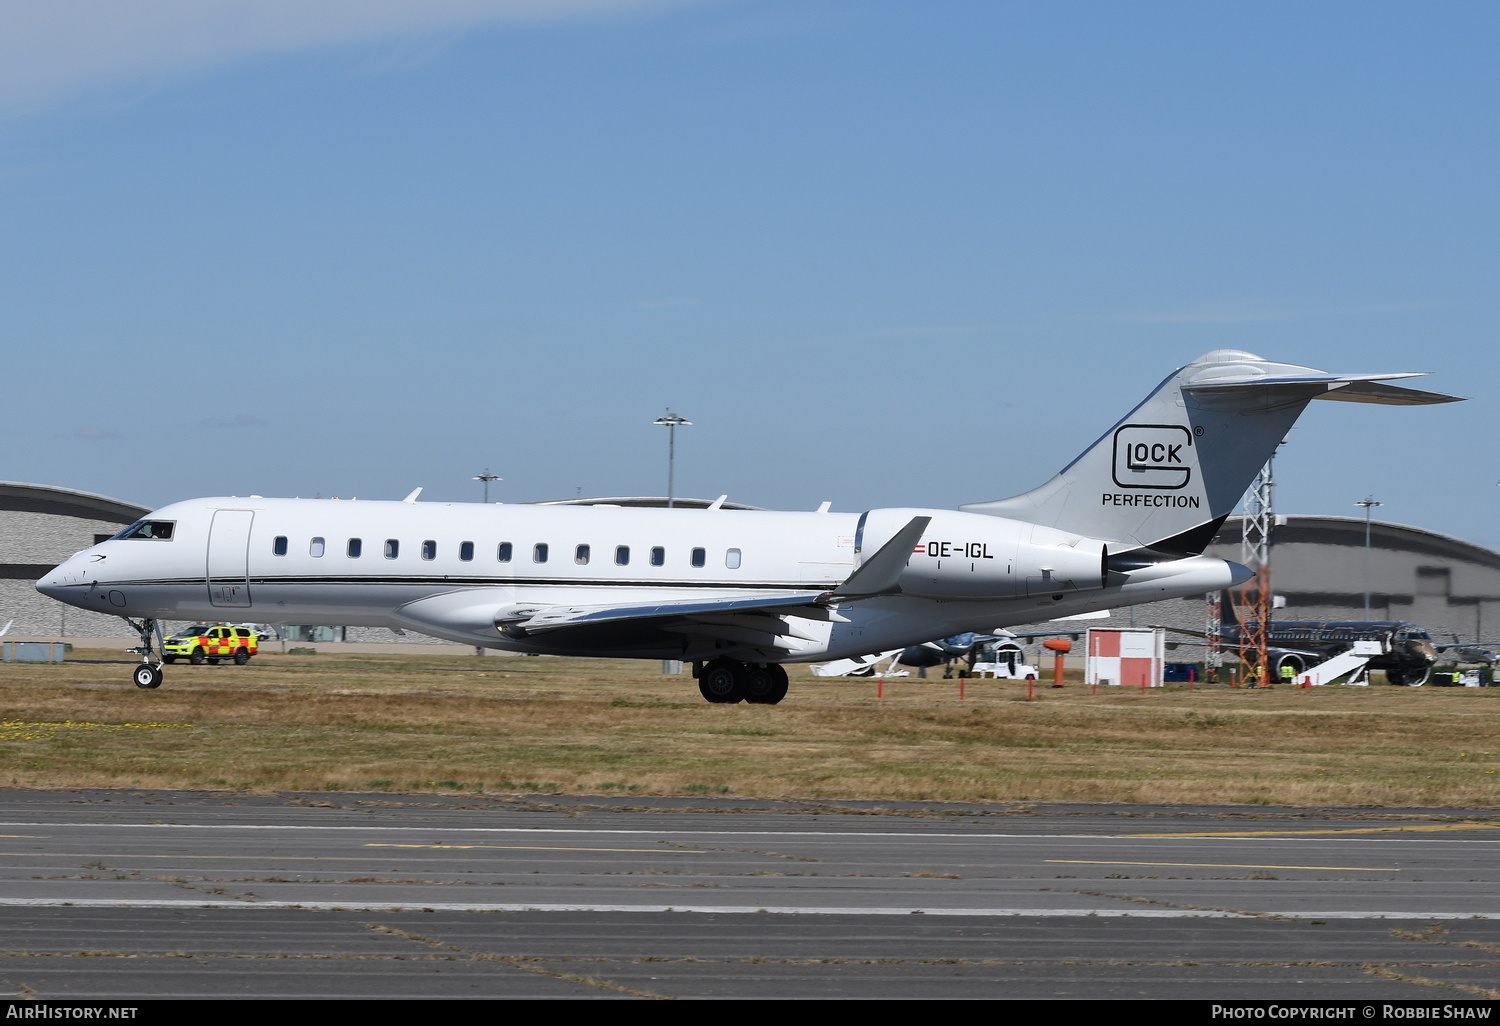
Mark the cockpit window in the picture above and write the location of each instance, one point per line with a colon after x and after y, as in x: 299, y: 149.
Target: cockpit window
x: 157, y: 530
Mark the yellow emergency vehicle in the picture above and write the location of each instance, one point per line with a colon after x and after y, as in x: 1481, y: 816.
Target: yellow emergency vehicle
x: 210, y: 642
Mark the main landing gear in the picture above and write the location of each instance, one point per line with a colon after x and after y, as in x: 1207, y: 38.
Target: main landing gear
x: 1412, y: 677
x: 148, y: 674
x: 728, y: 681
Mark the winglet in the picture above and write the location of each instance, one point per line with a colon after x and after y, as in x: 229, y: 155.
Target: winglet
x: 413, y: 496
x: 878, y: 574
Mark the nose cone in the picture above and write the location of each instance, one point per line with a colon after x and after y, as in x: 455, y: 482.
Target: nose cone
x: 64, y: 581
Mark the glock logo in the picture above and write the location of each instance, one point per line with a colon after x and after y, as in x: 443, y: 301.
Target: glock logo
x: 1153, y: 456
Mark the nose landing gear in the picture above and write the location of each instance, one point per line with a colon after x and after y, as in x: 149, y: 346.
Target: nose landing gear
x: 726, y: 681
x: 148, y: 674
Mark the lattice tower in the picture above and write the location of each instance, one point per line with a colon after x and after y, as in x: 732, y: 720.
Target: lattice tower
x: 1252, y: 600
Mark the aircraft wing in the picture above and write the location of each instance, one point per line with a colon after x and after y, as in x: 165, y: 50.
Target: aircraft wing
x: 1278, y: 649
x: 751, y: 623
x: 1178, y: 630
x: 807, y: 604
x: 1281, y: 645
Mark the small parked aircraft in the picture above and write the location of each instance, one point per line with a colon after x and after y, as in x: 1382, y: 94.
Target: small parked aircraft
x: 735, y: 592
x: 1469, y: 651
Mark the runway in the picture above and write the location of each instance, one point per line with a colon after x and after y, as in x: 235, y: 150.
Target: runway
x: 110, y: 894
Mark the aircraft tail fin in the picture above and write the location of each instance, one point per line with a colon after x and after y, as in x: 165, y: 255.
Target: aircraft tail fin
x: 1227, y: 616
x: 1165, y: 477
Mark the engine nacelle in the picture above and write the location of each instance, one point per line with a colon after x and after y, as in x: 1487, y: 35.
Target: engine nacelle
x: 970, y: 556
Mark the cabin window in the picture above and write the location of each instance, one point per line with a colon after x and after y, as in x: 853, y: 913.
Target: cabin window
x: 700, y: 557
x: 581, y: 555
x: 355, y: 548
x: 278, y: 546
x: 732, y: 559
x: 503, y: 552
x: 622, y: 555
x: 157, y: 530
x: 316, y: 547
x: 658, y: 555
x: 429, y: 549
x: 466, y: 551
x: 392, y: 548
x: 539, y: 552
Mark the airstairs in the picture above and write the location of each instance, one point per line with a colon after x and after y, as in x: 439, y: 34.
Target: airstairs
x: 1351, y: 663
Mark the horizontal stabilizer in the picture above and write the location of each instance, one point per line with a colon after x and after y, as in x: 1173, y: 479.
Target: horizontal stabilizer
x: 1387, y: 395
x: 1352, y: 388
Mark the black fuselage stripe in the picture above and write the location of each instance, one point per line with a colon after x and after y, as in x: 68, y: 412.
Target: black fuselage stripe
x: 484, y: 582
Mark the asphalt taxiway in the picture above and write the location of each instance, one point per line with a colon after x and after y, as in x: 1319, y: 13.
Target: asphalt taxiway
x: 113, y: 894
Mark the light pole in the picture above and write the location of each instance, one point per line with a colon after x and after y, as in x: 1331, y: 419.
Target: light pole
x: 671, y: 422
x: 1367, y: 502
x: 487, y: 477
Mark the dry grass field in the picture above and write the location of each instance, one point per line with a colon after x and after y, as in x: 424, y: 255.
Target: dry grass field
x: 462, y: 723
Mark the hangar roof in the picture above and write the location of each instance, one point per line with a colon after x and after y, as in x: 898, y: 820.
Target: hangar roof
x: 1350, y: 531
x: 67, y: 502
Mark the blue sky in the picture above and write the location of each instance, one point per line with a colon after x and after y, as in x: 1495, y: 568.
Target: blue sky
x: 882, y: 253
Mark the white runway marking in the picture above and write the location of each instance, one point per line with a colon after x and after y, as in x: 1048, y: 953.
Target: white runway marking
x: 793, y: 910
x: 919, y: 834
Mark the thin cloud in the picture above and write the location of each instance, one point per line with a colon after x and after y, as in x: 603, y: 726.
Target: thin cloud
x: 1210, y: 313
x: 910, y: 331
x: 1247, y: 313
x: 53, y: 49
x: 243, y: 420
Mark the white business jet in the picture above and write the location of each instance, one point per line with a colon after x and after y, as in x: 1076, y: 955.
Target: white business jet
x: 735, y: 592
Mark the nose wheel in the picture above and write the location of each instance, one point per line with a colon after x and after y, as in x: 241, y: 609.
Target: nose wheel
x: 148, y: 674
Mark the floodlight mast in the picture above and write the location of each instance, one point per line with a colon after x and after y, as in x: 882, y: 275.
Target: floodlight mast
x: 487, y: 477
x: 671, y: 422
x: 1367, y: 502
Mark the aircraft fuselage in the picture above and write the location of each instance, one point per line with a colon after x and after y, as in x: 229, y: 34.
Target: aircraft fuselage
x: 458, y: 570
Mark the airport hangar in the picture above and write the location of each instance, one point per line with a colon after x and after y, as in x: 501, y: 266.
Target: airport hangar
x: 1449, y: 586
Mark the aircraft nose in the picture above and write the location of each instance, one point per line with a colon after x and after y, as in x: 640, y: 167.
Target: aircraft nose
x: 61, y: 578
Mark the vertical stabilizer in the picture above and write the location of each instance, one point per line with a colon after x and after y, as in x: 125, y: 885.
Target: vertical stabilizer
x: 1165, y: 477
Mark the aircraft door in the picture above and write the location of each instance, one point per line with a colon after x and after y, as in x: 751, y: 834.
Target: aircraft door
x: 228, y: 569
